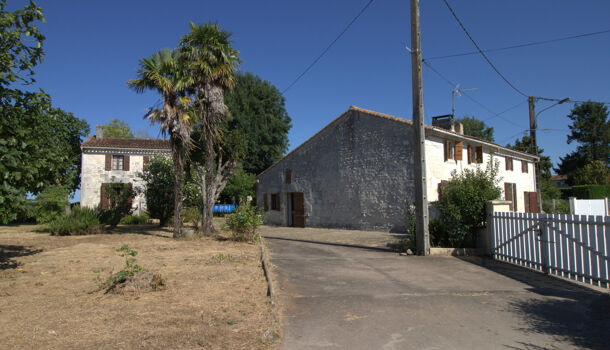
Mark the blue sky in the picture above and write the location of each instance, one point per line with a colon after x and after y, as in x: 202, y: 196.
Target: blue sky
x: 93, y: 47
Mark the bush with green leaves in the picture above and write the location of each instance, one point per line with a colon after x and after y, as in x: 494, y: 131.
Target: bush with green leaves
x: 51, y: 203
x: 462, y: 201
x: 119, y: 199
x: 135, y: 219
x: 244, y: 222
x: 192, y: 215
x: 80, y: 221
x: 158, y: 175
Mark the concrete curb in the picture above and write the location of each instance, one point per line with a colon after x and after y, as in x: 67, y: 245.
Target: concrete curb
x: 455, y: 252
x: 265, y: 263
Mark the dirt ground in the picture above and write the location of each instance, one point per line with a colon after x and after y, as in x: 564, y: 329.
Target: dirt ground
x: 216, y: 295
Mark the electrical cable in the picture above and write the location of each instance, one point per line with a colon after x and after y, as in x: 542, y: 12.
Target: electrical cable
x: 328, y: 47
x: 534, y: 43
x: 482, y: 53
x: 494, y: 114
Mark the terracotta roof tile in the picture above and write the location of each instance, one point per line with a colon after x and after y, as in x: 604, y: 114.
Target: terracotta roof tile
x: 136, y: 143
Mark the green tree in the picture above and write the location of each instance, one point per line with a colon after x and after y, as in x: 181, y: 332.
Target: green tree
x: 461, y: 204
x: 477, y: 128
x: 548, y: 190
x: 117, y: 128
x: 39, y: 144
x: 593, y: 173
x: 240, y: 186
x: 258, y: 109
x: 164, y: 72
x: 159, y: 180
x: 20, y: 43
x: 210, y: 61
x: 591, y: 130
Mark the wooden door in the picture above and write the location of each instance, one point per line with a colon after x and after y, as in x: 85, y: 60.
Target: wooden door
x: 298, y: 209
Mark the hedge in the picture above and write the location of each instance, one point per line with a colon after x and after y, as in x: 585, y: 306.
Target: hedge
x: 587, y: 192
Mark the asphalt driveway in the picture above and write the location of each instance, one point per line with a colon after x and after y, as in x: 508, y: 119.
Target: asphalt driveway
x: 336, y: 296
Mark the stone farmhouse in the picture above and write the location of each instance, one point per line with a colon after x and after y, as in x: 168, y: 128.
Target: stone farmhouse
x: 115, y: 160
x: 357, y: 172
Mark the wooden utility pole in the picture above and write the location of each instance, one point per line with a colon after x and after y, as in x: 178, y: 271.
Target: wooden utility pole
x: 422, y: 238
x: 534, y: 150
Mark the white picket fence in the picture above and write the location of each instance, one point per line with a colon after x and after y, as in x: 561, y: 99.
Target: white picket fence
x: 572, y: 246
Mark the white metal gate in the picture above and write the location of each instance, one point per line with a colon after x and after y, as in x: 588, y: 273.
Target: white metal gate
x: 572, y: 246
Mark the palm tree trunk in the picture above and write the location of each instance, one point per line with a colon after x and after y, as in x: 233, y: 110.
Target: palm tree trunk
x: 208, y: 223
x: 179, y: 180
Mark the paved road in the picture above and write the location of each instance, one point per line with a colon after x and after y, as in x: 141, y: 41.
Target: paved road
x: 340, y: 297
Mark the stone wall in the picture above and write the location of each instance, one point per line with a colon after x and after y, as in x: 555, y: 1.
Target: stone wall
x: 354, y: 174
x: 94, y: 175
x: 357, y: 173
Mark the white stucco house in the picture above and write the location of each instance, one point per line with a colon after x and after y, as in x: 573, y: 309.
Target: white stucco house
x: 357, y: 172
x: 116, y: 160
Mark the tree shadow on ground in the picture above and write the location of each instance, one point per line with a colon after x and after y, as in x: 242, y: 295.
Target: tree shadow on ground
x: 148, y: 230
x: 9, y: 252
x: 331, y: 243
x: 563, y: 309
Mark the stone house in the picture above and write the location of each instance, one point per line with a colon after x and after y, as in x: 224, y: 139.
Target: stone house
x: 116, y: 160
x: 357, y: 172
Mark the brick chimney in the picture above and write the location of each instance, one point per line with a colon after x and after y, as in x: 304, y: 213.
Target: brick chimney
x: 99, y: 131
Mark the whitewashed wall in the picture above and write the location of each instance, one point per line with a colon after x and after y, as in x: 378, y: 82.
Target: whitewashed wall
x: 437, y: 169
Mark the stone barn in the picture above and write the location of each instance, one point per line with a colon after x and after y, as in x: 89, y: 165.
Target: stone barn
x: 357, y: 172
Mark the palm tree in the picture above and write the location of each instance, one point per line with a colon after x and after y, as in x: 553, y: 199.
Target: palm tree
x: 211, y: 62
x: 164, y: 72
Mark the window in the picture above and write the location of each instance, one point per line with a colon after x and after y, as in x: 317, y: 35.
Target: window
x: 510, y: 194
x: 524, y: 166
x: 448, y: 149
x: 288, y: 176
x: 509, y: 163
x: 118, y: 162
x: 479, y: 154
x: 275, y: 201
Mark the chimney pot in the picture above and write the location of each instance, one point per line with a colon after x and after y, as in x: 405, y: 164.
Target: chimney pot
x: 459, y: 128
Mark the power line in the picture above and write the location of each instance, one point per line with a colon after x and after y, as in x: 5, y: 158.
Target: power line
x: 494, y: 114
x: 534, y: 43
x: 481, y: 51
x: 329, y: 46
x: 570, y: 101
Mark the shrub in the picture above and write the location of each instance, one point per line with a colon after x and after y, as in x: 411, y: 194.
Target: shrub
x: 118, y: 196
x: 244, y: 222
x: 462, y: 204
x: 51, y: 203
x: 159, y: 189
x: 192, y: 215
x: 80, y: 221
x: 589, y: 191
x: 135, y: 219
x: 438, y: 234
x: 561, y: 206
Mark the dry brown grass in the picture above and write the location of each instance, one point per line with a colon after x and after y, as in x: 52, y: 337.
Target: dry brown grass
x: 48, y: 298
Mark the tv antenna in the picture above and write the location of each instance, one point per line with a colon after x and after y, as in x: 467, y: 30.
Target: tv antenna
x: 457, y: 91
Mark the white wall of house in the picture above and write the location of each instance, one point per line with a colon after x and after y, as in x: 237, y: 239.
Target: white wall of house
x: 94, y: 175
x: 438, y: 169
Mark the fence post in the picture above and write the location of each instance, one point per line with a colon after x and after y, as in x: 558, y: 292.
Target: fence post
x: 544, y: 242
